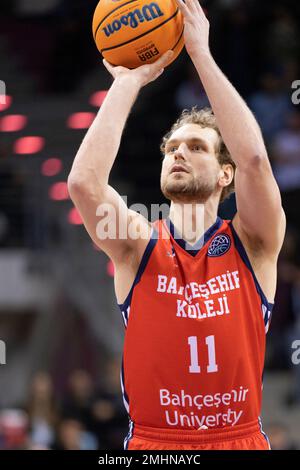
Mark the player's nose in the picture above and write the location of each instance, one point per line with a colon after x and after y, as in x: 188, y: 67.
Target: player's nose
x: 180, y: 153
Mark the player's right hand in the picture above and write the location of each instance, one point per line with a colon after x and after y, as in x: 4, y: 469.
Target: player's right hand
x: 145, y: 73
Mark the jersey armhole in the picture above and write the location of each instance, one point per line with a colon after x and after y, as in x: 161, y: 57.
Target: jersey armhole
x: 143, y: 264
x: 267, y: 307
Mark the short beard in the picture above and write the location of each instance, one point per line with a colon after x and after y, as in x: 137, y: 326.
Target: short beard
x: 194, y: 190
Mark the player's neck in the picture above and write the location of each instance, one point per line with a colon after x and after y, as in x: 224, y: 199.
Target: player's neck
x: 191, y: 221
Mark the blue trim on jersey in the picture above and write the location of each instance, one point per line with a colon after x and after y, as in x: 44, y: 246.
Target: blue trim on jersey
x: 126, y: 404
x: 243, y: 254
x: 125, y: 316
x: 263, y: 433
x: 129, y: 435
x: 200, y: 243
x: 123, y: 383
x: 146, y: 256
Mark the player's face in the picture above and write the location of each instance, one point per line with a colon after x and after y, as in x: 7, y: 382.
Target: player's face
x: 190, y: 170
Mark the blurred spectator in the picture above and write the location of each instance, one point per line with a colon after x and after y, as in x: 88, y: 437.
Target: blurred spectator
x: 72, y: 436
x: 78, y: 400
x: 285, y: 327
x: 191, y: 92
x: 271, y: 104
x: 293, y: 335
x: 86, y: 420
x: 284, y: 314
x: 290, y: 72
x: 108, y: 411
x: 286, y: 154
x: 279, y: 437
x: 42, y: 410
x: 13, y: 429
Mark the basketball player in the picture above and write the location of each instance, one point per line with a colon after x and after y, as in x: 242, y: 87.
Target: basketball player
x: 195, y: 313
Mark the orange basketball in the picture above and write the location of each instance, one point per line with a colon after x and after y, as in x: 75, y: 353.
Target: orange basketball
x: 135, y: 32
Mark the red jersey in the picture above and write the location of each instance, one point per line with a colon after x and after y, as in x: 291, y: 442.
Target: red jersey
x: 195, y: 333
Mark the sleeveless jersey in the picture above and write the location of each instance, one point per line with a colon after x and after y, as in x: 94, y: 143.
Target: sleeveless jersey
x: 195, y: 333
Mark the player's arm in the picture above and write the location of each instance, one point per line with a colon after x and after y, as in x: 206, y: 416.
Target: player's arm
x: 88, y: 181
x: 260, y: 215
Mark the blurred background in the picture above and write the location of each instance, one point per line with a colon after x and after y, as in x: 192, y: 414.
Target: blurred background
x: 59, y: 388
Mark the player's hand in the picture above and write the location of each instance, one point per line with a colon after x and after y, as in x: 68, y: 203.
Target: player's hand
x: 145, y: 73
x: 196, y: 29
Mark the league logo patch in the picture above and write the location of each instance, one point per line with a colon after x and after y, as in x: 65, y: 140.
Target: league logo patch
x: 219, y: 245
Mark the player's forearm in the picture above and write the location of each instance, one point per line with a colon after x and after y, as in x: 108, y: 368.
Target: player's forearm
x: 98, y: 151
x: 237, y: 124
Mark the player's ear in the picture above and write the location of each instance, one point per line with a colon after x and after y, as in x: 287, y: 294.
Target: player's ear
x: 226, y: 175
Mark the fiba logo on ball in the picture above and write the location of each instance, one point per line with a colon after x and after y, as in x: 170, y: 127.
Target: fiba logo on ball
x: 219, y: 245
x: 132, y: 33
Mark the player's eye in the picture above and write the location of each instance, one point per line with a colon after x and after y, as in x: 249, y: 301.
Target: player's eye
x: 197, y: 148
x: 172, y: 149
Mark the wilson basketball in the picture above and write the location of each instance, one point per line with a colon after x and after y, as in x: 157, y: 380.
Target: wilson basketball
x: 136, y: 32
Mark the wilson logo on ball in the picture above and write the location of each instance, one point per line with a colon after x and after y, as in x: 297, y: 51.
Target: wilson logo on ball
x: 134, y: 19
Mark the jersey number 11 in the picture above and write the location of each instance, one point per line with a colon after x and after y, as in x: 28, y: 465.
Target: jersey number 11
x: 210, y: 342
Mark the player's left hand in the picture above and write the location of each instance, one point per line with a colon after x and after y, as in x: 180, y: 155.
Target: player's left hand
x: 143, y: 74
x: 196, y: 30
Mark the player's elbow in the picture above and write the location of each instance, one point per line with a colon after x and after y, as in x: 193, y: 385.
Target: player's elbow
x: 81, y: 187
x: 260, y: 158
x: 76, y: 185
x: 257, y: 162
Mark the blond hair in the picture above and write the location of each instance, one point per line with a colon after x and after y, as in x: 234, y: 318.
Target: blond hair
x: 204, y: 118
